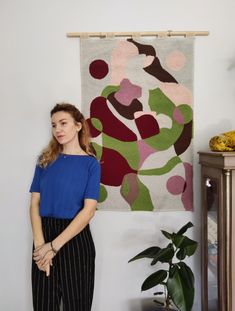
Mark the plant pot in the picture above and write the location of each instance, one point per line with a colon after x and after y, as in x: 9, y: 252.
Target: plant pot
x: 164, y: 309
x: 148, y: 304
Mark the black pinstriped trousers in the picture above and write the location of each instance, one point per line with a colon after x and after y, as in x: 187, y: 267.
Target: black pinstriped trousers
x: 71, y: 277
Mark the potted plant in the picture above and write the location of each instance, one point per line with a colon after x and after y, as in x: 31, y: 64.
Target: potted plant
x: 178, y: 278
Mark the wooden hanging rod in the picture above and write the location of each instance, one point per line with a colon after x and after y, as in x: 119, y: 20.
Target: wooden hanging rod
x: 168, y: 33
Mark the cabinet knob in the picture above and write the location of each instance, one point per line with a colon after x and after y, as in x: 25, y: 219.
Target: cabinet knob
x: 208, y: 182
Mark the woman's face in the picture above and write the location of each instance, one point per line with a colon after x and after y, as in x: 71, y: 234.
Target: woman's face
x: 64, y: 127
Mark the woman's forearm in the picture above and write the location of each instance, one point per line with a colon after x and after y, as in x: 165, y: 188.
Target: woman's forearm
x: 76, y: 225
x: 36, y: 221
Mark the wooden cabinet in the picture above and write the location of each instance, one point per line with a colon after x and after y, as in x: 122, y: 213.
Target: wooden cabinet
x: 218, y: 230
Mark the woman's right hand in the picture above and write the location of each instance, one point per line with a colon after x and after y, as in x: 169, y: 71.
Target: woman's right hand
x: 45, y: 268
x: 40, y: 252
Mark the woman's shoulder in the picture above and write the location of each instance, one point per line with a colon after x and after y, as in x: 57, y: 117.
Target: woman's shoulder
x: 93, y: 159
x: 94, y: 163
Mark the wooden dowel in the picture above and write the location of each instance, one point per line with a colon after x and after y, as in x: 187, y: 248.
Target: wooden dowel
x: 168, y: 33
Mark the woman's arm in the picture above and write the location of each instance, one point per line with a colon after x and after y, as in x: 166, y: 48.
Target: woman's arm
x: 77, y: 224
x: 35, y: 218
x: 42, y: 254
x: 36, y: 223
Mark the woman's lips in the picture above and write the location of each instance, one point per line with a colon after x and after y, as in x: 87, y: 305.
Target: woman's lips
x: 60, y: 136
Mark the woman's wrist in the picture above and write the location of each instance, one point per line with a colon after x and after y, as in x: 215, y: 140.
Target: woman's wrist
x: 57, y: 243
x: 54, y: 250
x: 38, y: 243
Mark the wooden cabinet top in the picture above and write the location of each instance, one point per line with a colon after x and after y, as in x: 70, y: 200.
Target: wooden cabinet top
x: 223, y: 160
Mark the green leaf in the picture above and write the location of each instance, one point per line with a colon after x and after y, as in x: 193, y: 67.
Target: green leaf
x: 178, y: 240
x: 183, y: 242
x: 185, y: 228
x: 181, y: 254
x: 167, y: 234
x: 172, y: 269
x: 164, y: 255
x: 147, y: 253
x: 154, y: 279
x: 180, y: 287
x: 187, y: 274
x: 191, y: 249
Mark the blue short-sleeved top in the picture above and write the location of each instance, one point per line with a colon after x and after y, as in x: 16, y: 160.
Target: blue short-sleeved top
x: 65, y: 183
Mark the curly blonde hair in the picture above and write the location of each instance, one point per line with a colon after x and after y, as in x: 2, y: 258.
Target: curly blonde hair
x: 51, y: 152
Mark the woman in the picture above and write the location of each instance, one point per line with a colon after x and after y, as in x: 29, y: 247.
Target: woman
x: 64, y: 194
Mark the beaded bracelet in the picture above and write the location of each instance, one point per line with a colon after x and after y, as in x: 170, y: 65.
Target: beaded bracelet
x: 53, y: 250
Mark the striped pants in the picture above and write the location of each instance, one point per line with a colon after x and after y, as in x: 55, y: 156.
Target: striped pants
x: 71, y: 279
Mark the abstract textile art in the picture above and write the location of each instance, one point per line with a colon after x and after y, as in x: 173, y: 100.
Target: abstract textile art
x: 137, y: 99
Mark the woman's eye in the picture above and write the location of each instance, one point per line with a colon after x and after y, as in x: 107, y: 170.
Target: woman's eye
x: 53, y: 125
x: 63, y: 123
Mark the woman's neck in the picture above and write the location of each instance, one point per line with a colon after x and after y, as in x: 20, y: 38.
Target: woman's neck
x: 76, y: 149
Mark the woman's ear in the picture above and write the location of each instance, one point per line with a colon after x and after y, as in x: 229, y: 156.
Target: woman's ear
x: 79, y: 126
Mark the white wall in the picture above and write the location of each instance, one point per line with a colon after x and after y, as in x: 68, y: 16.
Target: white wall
x: 40, y: 66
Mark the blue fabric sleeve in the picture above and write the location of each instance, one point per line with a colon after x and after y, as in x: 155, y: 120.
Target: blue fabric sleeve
x: 35, y: 186
x: 92, y: 190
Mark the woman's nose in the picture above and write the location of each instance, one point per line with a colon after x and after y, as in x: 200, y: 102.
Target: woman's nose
x: 57, y: 128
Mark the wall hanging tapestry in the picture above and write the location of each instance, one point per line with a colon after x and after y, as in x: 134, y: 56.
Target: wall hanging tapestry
x: 137, y: 98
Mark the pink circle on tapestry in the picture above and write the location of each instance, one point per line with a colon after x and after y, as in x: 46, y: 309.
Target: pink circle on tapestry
x: 175, y: 60
x: 98, y: 69
x: 175, y: 185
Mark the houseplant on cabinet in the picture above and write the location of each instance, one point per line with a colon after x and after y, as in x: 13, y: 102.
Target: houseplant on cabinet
x: 178, y: 278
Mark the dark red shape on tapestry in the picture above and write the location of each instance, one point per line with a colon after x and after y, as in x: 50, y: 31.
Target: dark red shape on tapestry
x: 125, y: 111
x: 98, y: 69
x: 113, y: 167
x: 93, y: 131
x: 156, y: 70
x: 111, y: 125
x: 147, y: 126
x: 185, y: 138
x: 144, y: 48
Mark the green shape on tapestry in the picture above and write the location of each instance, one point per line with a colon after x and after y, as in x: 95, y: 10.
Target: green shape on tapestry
x: 187, y: 112
x: 109, y: 90
x: 160, y: 103
x: 129, y: 150
x: 97, y: 124
x: 103, y: 194
x: 98, y: 150
x: 125, y: 188
x: 166, y: 138
x: 143, y: 201
x: 162, y: 170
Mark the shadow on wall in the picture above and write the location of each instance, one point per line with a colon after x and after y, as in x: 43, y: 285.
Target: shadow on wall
x: 211, y: 130
x: 142, y: 304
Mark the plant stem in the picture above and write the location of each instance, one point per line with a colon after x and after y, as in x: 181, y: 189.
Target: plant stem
x: 167, y: 303
x: 166, y: 294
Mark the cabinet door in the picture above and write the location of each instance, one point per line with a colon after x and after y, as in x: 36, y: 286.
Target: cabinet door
x: 212, y: 237
x: 212, y: 243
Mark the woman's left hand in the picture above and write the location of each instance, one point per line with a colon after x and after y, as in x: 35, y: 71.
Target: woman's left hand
x: 41, y: 251
x: 45, y: 262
